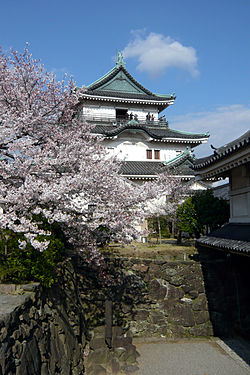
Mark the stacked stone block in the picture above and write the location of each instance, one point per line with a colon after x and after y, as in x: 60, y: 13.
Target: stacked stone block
x: 120, y: 359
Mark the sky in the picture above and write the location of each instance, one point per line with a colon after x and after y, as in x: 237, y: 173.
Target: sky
x: 197, y: 49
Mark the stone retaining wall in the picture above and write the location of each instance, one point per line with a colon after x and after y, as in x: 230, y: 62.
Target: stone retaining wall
x: 48, y: 332
x: 151, y: 298
x: 44, y: 332
x: 41, y: 332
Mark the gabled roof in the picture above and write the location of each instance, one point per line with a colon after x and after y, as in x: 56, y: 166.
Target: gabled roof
x: 183, y: 169
x: 118, y: 83
x: 182, y: 164
x: 180, y: 159
x: 119, y: 79
x: 162, y: 133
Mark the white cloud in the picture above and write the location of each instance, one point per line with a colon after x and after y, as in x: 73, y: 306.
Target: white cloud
x: 156, y: 53
x: 224, y: 124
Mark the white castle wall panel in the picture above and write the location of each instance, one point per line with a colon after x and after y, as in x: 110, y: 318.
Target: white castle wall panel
x: 108, y: 111
x: 134, y: 149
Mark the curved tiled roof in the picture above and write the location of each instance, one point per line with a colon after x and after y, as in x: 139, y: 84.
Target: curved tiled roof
x: 127, y: 95
x: 223, y: 152
x: 179, y: 159
x: 184, y: 169
x: 111, y: 75
x: 152, y: 168
x: 141, y: 168
x: 155, y: 132
x: 139, y: 92
x: 231, y: 237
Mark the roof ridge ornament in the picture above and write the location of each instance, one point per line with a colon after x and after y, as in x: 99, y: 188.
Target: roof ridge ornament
x: 120, y: 61
x: 133, y: 122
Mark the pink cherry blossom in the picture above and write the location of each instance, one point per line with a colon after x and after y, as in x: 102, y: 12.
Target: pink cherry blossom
x: 52, y: 163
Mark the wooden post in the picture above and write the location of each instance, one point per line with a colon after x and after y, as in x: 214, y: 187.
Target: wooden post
x: 159, y: 228
x: 108, y: 322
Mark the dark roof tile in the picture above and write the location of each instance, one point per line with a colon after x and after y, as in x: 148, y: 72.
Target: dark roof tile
x: 221, y: 153
x: 127, y: 95
x: 230, y: 237
x: 141, y: 168
x: 153, y: 131
x: 112, y: 74
x: 152, y: 168
x: 240, y: 232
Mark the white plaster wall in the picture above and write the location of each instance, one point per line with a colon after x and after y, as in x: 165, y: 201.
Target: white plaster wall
x: 240, y: 195
x: 240, y: 206
x: 108, y: 111
x: 98, y: 112
x: 196, y: 186
x: 134, y: 149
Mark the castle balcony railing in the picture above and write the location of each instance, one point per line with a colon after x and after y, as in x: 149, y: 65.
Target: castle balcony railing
x: 123, y: 120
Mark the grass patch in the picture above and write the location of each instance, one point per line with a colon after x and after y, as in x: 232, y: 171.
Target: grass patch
x: 167, y: 250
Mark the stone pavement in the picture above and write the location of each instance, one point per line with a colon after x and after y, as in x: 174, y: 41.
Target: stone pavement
x: 193, y: 357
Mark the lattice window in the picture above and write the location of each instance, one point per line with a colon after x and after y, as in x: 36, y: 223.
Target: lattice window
x: 157, y: 154
x: 149, y: 154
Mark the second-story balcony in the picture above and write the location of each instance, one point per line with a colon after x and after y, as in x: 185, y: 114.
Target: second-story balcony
x: 123, y: 120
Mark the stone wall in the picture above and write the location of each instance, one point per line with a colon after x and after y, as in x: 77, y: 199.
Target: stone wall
x: 42, y: 332
x: 150, y: 297
x: 118, y: 359
x: 56, y: 331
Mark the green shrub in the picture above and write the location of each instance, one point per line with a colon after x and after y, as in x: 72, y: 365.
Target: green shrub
x: 202, y: 212
x: 22, y: 265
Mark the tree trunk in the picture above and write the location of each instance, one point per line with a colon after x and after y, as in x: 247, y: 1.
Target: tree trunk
x: 173, y: 228
x: 179, y: 238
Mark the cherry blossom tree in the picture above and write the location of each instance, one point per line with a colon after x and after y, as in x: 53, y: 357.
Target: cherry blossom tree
x: 51, y: 163
x: 166, y: 205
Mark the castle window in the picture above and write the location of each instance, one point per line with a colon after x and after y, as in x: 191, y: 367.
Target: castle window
x: 157, y: 154
x: 149, y: 154
x: 121, y: 114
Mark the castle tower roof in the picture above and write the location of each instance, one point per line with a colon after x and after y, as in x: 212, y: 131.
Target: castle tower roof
x: 118, y: 85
